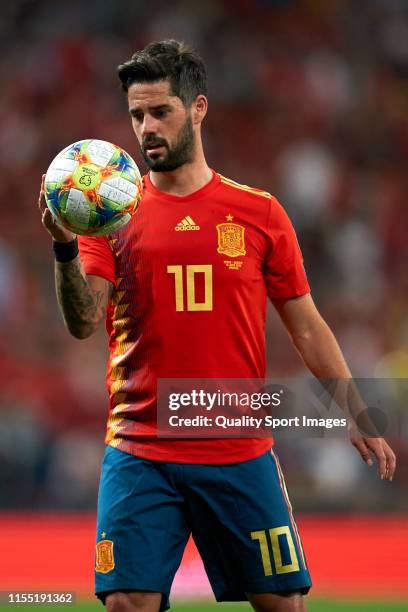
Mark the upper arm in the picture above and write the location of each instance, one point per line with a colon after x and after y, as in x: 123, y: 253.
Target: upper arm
x: 284, y: 274
x: 299, y: 315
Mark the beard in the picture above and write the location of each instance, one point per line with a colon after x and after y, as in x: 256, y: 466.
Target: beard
x: 180, y: 153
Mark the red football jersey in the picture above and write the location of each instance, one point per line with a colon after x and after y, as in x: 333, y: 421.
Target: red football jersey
x: 191, y: 276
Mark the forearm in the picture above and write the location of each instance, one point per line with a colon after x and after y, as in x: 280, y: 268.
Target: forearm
x: 320, y: 351
x: 79, y: 304
x: 322, y: 355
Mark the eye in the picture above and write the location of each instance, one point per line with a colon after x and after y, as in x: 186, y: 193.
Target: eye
x: 160, y: 113
x: 137, y: 116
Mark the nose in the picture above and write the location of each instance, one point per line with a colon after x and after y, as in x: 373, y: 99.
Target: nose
x: 149, y: 125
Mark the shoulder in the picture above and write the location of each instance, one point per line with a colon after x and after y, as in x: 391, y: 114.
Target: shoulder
x: 242, y: 190
x: 255, y: 200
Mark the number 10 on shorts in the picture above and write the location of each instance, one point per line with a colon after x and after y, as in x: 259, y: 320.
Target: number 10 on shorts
x: 262, y: 537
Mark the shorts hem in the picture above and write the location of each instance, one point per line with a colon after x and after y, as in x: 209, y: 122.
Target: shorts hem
x: 241, y: 595
x: 102, y: 594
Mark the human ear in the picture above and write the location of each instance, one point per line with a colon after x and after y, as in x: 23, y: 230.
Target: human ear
x: 199, y: 109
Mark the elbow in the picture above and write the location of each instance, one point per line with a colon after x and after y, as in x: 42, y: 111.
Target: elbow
x: 80, y: 331
x: 302, y: 338
x: 315, y: 332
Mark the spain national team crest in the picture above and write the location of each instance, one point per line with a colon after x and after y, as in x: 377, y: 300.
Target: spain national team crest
x: 104, y: 557
x: 231, y: 240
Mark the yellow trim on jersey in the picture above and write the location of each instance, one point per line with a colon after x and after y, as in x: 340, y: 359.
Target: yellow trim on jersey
x: 246, y: 188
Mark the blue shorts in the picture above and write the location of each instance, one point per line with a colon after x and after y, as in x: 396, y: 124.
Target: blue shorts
x: 239, y: 515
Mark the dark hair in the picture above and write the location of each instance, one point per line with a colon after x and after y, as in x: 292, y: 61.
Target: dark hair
x: 167, y: 59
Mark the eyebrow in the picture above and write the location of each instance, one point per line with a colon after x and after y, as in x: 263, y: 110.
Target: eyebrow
x: 150, y: 108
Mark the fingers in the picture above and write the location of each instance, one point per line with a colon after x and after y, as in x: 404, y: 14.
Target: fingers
x: 41, y: 199
x: 386, y: 457
x: 391, y: 462
x: 375, y: 445
x: 48, y: 219
x: 383, y: 453
x: 361, y: 446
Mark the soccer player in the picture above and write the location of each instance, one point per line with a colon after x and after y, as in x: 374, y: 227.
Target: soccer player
x: 183, y: 289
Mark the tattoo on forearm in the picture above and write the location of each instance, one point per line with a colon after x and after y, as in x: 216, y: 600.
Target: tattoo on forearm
x: 79, y: 304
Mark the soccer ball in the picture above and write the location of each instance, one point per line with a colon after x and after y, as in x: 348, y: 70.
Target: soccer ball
x: 93, y: 187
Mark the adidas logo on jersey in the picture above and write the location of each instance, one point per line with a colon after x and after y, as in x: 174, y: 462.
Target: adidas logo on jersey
x: 187, y: 225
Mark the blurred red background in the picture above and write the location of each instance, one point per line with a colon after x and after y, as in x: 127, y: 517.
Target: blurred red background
x: 308, y: 100
x: 363, y: 557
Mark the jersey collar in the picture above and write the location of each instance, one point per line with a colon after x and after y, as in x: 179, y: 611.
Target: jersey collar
x: 200, y: 193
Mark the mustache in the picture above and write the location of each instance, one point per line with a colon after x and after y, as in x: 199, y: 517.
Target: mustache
x: 153, y: 142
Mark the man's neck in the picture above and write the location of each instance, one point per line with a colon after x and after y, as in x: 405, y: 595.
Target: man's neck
x: 184, y: 180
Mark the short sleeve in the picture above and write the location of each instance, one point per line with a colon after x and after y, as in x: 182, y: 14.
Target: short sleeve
x: 285, y: 276
x: 97, y: 257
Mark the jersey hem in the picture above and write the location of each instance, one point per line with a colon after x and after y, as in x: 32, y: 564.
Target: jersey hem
x: 153, y: 454
x: 290, y: 295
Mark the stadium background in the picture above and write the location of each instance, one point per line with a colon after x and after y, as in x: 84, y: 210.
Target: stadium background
x: 309, y: 100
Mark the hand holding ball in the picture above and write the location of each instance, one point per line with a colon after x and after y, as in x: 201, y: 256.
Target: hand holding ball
x: 93, y: 187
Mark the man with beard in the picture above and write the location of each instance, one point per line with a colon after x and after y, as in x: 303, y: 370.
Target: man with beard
x: 183, y: 288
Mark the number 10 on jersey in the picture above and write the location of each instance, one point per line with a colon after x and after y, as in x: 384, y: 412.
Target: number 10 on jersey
x: 185, y: 276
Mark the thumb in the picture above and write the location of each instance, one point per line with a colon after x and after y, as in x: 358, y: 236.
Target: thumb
x: 57, y: 231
